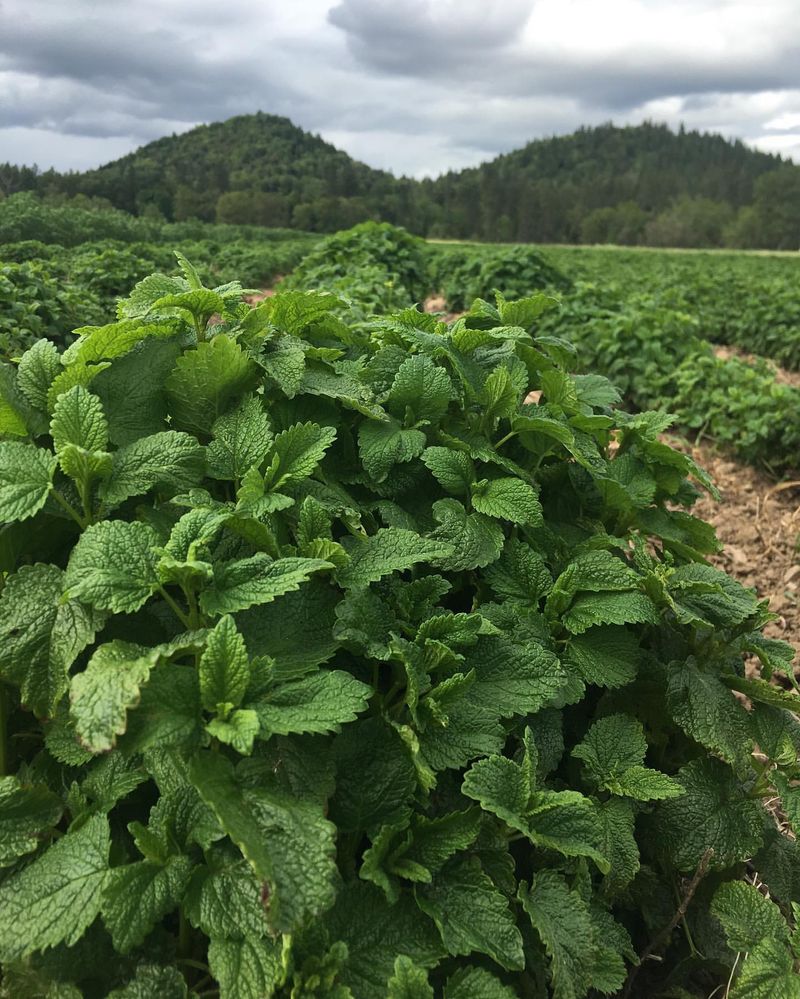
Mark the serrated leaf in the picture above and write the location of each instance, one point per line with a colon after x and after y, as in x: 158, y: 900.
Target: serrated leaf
x: 520, y: 574
x: 613, y: 753
x: 605, y: 656
x: 256, y: 580
x: 205, y: 381
x: 476, y: 540
x: 113, y: 566
x: 248, y: 968
x: 471, y: 914
x: 382, y: 445
x: 708, y: 712
x: 78, y: 418
x: 37, y: 369
x: 296, y: 452
x: 408, y: 981
x: 42, y: 635
x: 453, y: 470
x: 169, y: 462
x: 747, y: 916
x: 224, y: 667
x: 590, y: 609
x: 238, y: 730
x: 224, y: 899
x: 102, y: 695
x: 287, y: 841
x: 137, y: 896
x: 391, y: 549
x: 714, y: 812
x: 26, y: 478
x: 28, y: 812
x: 54, y: 899
x: 241, y: 439
x: 322, y: 702
x: 561, y: 919
x: 421, y: 387
x: 508, y: 499
x: 476, y: 983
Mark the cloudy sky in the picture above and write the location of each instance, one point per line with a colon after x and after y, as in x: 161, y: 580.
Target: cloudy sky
x: 416, y: 86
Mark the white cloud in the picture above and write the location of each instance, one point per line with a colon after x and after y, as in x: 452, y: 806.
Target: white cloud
x: 418, y: 86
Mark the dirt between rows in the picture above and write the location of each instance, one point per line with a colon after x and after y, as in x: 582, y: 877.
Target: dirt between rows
x: 758, y: 522
x: 782, y: 376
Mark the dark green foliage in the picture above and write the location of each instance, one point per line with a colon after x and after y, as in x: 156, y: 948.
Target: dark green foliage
x: 331, y: 666
x: 463, y: 274
x: 376, y: 266
x: 634, y: 185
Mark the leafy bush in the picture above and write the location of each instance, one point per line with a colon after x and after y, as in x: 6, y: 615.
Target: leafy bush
x: 332, y: 667
x: 653, y: 352
x: 376, y: 266
x: 35, y: 303
x: 465, y: 274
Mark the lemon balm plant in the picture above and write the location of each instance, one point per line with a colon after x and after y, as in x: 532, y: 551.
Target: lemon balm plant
x: 333, y: 667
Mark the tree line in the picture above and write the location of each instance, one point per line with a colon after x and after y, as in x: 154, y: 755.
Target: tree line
x: 636, y: 185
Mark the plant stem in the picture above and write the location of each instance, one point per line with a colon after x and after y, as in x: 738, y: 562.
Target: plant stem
x: 503, y: 440
x: 171, y: 603
x: 70, y: 509
x: 184, y: 937
x: 662, y: 938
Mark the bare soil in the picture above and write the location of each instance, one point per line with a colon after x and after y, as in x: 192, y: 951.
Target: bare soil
x: 758, y: 522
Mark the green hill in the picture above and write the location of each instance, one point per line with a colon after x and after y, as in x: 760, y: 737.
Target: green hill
x: 640, y: 184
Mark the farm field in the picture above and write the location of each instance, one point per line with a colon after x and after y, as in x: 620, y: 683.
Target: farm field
x: 364, y: 628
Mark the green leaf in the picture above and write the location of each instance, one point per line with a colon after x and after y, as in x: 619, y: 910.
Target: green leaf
x: 113, y: 566
x: 54, y: 899
x: 168, y: 462
x: 613, y: 753
x: 605, y: 656
x: 499, y: 396
x: 287, y: 841
x: 152, y: 981
x: 408, y: 981
x: 322, y: 702
x: 609, y: 608
x: 391, y: 549
x: 78, y: 418
x: 708, y: 712
x: 28, y: 813
x: 137, y: 896
x: 238, y: 730
x: 109, y: 687
x: 508, y: 499
x: 453, y: 470
x: 382, y: 445
x: 768, y: 972
x: 476, y: 983
x: 296, y: 452
x: 714, y: 812
x: 471, y: 914
x: 241, y: 440
x: 747, y: 916
x: 245, y: 969
x: 256, y: 580
x: 520, y: 574
x: 376, y: 933
x: 224, y: 898
x: 37, y: 369
x: 561, y: 919
x: 42, y: 635
x: 476, y: 540
x: 224, y: 667
x: 26, y: 478
x: 421, y: 387
x: 205, y: 381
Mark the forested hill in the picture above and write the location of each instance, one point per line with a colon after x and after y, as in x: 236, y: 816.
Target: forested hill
x: 639, y: 185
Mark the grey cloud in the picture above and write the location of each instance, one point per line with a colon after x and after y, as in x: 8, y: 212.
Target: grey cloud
x: 416, y: 84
